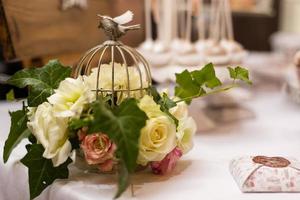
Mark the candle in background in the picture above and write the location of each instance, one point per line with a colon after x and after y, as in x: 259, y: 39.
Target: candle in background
x: 147, y: 45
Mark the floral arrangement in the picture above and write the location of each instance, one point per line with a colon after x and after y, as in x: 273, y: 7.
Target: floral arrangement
x: 63, y: 114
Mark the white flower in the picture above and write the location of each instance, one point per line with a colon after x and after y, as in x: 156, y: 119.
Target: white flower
x: 158, y: 138
x: 186, y: 128
x: 71, y: 97
x: 186, y: 131
x: 148, y: 105
x: 51, y: 132
x: 180, y: 111
x: 120, y: 80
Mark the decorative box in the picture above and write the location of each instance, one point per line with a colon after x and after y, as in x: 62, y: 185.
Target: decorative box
x: 266, y: 174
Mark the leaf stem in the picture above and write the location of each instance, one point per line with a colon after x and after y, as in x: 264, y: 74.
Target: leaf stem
x: 208, y: 93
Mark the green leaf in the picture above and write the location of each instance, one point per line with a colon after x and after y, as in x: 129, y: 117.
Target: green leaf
x: 37, y: 96
x: 41, y: 81
x: 165, y: 103
x: 32, y: 139
x: 123, y: 179
x: 76, y: 124
x: 186, y: 86
x: 240, y: 74
x: 155, y: 94
x: 206, y: 76
x: 194, y: 84
x: 41, y: 171
x: 123, y: 125
x: 232, y: 73
x: 10, y: 96
x: 18, y: 131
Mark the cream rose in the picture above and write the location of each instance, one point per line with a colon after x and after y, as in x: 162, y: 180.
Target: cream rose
x: 71, y: 97
x: 51, y: 132
x: 186, y: 131
x: 158, y: 138
x: 180, y: 111
x: 148, y: 105
x: 120, y: 80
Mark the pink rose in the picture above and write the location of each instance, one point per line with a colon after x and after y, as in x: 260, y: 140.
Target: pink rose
x: 99, y: 150
x: 168, y: 163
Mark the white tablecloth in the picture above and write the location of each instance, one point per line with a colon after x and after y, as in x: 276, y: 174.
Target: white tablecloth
x: 202, y: 174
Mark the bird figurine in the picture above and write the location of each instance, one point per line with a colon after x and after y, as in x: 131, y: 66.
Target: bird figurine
x: 114, y: 28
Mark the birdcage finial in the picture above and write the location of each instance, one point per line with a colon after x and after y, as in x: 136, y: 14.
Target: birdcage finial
x: 114, y: 28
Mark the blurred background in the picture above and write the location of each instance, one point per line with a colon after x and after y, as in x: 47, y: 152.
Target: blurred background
x: 32, y: 32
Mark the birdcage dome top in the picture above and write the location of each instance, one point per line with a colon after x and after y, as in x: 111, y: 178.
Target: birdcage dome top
x: 113, y: 68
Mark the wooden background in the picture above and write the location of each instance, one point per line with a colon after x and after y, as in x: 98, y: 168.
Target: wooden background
x: 40, y: 29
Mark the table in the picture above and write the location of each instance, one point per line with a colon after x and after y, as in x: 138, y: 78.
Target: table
x: 202, y: 174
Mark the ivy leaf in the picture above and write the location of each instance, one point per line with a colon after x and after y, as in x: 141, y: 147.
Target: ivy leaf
x: 240, y: 74
x: 123, y: 125
x: 155, y: 94
x: 123, y: 179
x: 41, y: 81
x: 18, y: 131
x: 206, y: 76
x: 165, y: 103
x: 193, y: 84
x: 186, y: 86
x: 76, y: 124
x: 10, y: 96
x: 41, y: 171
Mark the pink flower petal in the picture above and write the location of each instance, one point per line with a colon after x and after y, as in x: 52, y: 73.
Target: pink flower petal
x: 168, y: 163
x: 107, y: 166
x: 98, y: 149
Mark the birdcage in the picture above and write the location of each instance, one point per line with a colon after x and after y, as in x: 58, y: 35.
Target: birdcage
x: 120, y: 71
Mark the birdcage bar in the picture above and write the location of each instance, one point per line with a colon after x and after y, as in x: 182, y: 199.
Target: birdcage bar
x: 80, y: 65
x: 98, y: 71
x: 144, y: 64
x: 85, y: 66
x: 146, y: 67
x: 127, y: 72
x: 83, y: 58
x: 136, y: 64
x: 88, y: 64
x: 113, y: 75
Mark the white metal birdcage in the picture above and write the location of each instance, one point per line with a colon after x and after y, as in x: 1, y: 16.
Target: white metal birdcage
x: 120, y: 59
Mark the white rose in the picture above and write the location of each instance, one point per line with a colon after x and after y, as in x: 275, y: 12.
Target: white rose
x: 158, y: 138
x: 180, y: 111
x: 120, y: 80
x: 186, y: 131
x: 51, y: 132
x: 71, y: 97
x: 148, y: 105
